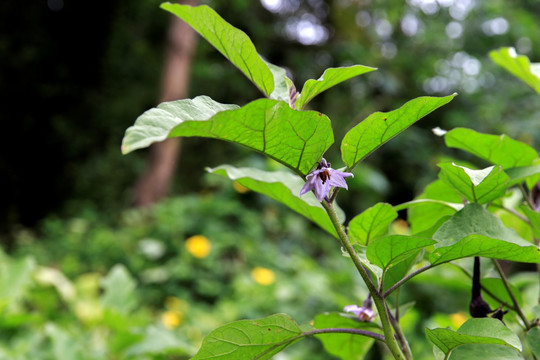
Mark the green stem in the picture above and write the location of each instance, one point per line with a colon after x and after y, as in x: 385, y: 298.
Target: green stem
x: 511, y: 293
x: 345, y: 331
x: 405, y: 279
x: 390, y: 340
x: 399, y: 333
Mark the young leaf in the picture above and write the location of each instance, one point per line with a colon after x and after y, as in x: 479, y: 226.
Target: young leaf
x: 283, y: 187
x: 155, y: 124
x: 250, y: 339
x: 392, y: 249
x: 297, y: 139
x: 474, y: 331
x: 479, y: 186
x: 344, y: 346
x: 379, y: 127
x: 372, y: 223
x: 474, y: 231
x: 233, y: 43
x: 497, y: 149
x: 518, y: 65
x: 330, y: 77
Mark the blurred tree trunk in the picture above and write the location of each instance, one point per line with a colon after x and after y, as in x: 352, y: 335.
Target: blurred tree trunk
x: 155, y: 182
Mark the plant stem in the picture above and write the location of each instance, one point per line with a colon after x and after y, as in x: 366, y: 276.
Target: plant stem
x: 399, y: 333
x: 390, y: 340
x: 511, y: 293
x: 345, y: 331
x: 405, y: 279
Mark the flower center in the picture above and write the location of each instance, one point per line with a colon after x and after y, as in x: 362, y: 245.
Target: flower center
x: 324, y: 175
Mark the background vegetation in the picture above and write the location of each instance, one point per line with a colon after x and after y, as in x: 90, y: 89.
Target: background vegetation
x: 75, y: 76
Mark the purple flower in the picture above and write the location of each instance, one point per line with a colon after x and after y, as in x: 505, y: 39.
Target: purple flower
x: 364, y: 312
x: 322, y: 179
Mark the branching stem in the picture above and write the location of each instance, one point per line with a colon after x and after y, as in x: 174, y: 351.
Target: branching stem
x: 511, y: 294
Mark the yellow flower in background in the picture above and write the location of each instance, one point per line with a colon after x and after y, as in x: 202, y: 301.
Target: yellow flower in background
x: 198, y: 246
x: 458, y: 319
x: 239, y: 187
x: 171, y: 319
x: 263, y: 276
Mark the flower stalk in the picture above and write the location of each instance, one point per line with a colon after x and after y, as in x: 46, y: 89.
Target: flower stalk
x: 389, y: 337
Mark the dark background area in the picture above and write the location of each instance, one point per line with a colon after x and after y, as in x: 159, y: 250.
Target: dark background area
x: 75, y: 75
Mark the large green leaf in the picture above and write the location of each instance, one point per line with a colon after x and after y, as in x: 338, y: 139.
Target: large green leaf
x: 329, y: 78
x: 479, y: 186
x: 345, y: 346
x: 371, y: 223
x: 233, y: 43
x: 379, y: 127
x: 297, y: 139
x: 425, y: 215
x: 250, y: 339
x: 392, y: 249
x: 474, y: 231
x: 474, y: 331
x: 283, y: 187
x: 497, y: 149
x: 156, y: 124
x: 518, y: 65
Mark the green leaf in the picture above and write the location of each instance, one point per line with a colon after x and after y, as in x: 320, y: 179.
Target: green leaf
x: 250, y: 339
x: 534, y: 219
x: 392, y: 249
x: 119, y: 289
x: 531, y: 174
x: 379, y: 127
x: 479, y: 186
x: 474, y: 331
x: 518, y: 65
x: 344, y: 346
x: 64, y: 345
x: 533, y: 339
x: 474, y: 231
x: 233, y: 43
x: 15, y: 279
x: 372, y: 223
x: 155, y: 124
x: 297, y: 139
x: 158, y: 340
x: 330, y: 77
x: 283, y: 187
x: 484, y: 352
x: 282, y: 83
x: 497, y: 149
x: 423, y: 216
x: 497, y: 288
x: 398, y: 270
